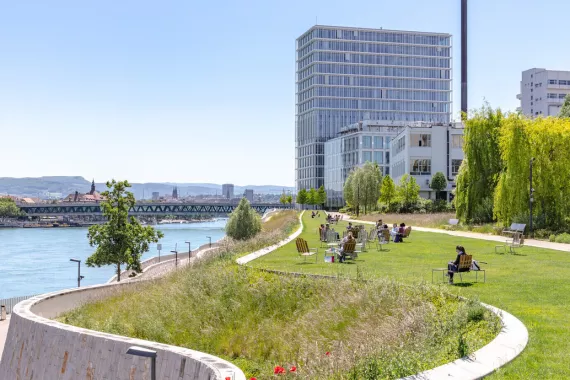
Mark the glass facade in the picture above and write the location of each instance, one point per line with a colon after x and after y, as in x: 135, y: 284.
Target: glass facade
x: 346, y: 75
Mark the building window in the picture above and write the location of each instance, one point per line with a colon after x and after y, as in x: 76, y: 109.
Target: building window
x: 379, y: 157
x: 386, y: 170
x: 387, y: 142
x: 562, y: 82
x: 552, y: 81
x: 457, y: 141
x: 423, y: 140
x: 561, y: 96
x: 378, y: 142
x: 387, y: 157
x: 420, y: 166
x: 366, y: 142
x: 400, y: 145
x: 455, y: 165
x: 366, y: 156
x: 552, y: 96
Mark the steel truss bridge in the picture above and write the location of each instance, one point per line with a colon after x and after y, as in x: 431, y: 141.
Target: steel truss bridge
x: 143, y: 209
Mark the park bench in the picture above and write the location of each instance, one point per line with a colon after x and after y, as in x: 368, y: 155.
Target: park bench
x: 304, y: 250
x: 349, y: 250
x: 515, y: 228
x: 465, y: 264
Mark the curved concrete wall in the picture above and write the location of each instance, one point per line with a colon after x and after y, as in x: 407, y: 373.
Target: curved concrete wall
x: 39, y: 348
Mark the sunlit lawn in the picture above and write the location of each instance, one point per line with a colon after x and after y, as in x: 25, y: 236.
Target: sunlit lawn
x: 533, y: 285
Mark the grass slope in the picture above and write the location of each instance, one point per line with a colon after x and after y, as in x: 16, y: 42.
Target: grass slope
x: 373, y: 330
x: 532, y: 285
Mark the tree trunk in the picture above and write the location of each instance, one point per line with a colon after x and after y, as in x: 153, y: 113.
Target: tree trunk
x: 118, y: 272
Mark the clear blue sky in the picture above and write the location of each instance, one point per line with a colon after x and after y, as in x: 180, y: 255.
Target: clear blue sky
x: 203, y: 91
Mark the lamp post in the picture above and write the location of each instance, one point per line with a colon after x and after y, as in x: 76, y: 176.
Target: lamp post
x: 210, y: 241
x: 145, y: 353
x: 79, y: 276
x: 159, y: 248
x: 530, y: 199
x: 176, y: 256
x: 189, y: 250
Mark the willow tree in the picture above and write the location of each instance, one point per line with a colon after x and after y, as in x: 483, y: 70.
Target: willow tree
x: 547, y: 141
x: 478, y: 175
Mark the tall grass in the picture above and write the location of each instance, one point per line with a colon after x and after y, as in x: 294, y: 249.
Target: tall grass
x: 421, y: 220
x: 372, y: 330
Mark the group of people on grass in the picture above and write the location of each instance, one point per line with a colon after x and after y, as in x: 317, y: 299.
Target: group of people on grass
x: 397, y: 234
x: 333, y: 219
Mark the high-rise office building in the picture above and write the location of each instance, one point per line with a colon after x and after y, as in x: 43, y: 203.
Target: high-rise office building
x: 347, y: 75
x: 543, y: 92
x: 248, y: 194
x: 228, y: 190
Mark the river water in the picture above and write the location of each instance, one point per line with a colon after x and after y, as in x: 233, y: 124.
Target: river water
x: 36, y: 260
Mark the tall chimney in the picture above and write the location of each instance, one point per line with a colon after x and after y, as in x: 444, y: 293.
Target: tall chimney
x: 464, y: 56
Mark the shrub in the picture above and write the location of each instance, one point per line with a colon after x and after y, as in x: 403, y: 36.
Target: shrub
x: 244, y: 222
x: 552, y: 238
x: 543, y: 233
x: 563, y: 238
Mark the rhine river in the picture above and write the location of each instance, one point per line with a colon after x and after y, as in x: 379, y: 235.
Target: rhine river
x: 36, y: 260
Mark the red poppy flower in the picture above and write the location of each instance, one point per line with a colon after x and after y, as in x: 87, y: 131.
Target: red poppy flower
x: 327, y: 353
x: 253, y: 378
x: 293, y: 369
x: 278, y: 370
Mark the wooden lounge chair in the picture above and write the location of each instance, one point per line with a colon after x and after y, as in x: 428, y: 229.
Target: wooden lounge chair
x: 349, y: 250
x: 407, y: 232
x: 304, y: 250
x: 465, y: 263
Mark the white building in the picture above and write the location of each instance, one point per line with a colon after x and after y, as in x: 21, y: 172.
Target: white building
x: 228, y: 190
x: 248, y: 194
x: 422, y: 151
x: 345, y: 75
x: 543, y: 92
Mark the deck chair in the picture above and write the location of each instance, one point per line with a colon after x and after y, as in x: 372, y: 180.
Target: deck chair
x: 407, y: 232
x: 304, y: 250
x: 383, y: 238
x: 465, y: 264
x: 349, y: 250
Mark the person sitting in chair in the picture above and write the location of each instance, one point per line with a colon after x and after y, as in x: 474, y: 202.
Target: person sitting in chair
x: 349, y: 227
x: 394, y: 232
x: 453, y: 266
x: 346, y: 239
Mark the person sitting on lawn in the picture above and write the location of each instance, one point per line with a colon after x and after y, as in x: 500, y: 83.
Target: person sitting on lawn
x: 453, y: 266
x: 349, y: 227
x: 346, y: 239
x: 394, y: 231
x: 379, y: 224
x: 321, y: 231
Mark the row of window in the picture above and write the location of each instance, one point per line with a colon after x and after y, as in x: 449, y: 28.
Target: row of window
x: 382, y: 71
x: 380, y: 142
x: 338, y: 80
x: 399, y: 146
x: 311, y: 172
x: 379, y: 157
x: 374, y: 48
x: 382, y: 105
x: 555, y: 96
x: 373, y: 59
x: 560, y: 82
x: 356, y: 92
x: 420, y: 140
x: 381, y: 36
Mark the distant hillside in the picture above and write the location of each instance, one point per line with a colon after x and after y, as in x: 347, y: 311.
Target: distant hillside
x: 40, y: 187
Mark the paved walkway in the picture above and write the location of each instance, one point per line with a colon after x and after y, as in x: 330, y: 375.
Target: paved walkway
x: 3, y: 333
x: 476, y: 235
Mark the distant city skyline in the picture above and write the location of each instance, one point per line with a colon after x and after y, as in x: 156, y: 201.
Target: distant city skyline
x: 204, y: 93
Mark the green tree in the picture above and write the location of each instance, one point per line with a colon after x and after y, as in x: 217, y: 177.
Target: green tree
x: 388, y: 192
x: 408, y: 191
x: 313, y: 197
x: 289, y: 199
x: 565, y: 110
x: 438, y: 184
x: 371, y: 178
x: 8, y: 209
x: 122, y: 239
x: 244, y: 223
x: 481, y: 166
x: 283, y: 198
x: 302, y: 197
x: 322, y: 196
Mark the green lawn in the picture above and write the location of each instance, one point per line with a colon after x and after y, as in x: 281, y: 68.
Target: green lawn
x: 532, y: 285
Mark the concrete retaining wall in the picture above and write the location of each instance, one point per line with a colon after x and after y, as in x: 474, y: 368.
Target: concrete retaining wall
x: 39, y: 348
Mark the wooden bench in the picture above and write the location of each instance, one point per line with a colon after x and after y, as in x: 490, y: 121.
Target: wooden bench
x: 349, y: 250
x: 465, y: 263
x: 383, y: 238
x: 304, y: 250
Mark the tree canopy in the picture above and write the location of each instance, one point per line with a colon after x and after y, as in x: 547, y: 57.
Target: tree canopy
x: 244, y: 222
x: 322, y: 195
x: 8, y: 209
x: 302, y: 197
x: 408, y: 192
x: 388, y: 193
x: 438, y: 183
x: 362, y: 187
x: 122, y: 239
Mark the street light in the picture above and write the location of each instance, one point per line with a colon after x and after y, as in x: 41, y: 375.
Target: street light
x: 176, y: 262
x: 210, y: 241
x: 145, y: 353
x: 79, y: 276
x: 189, y: 250
x: 530, y: 199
